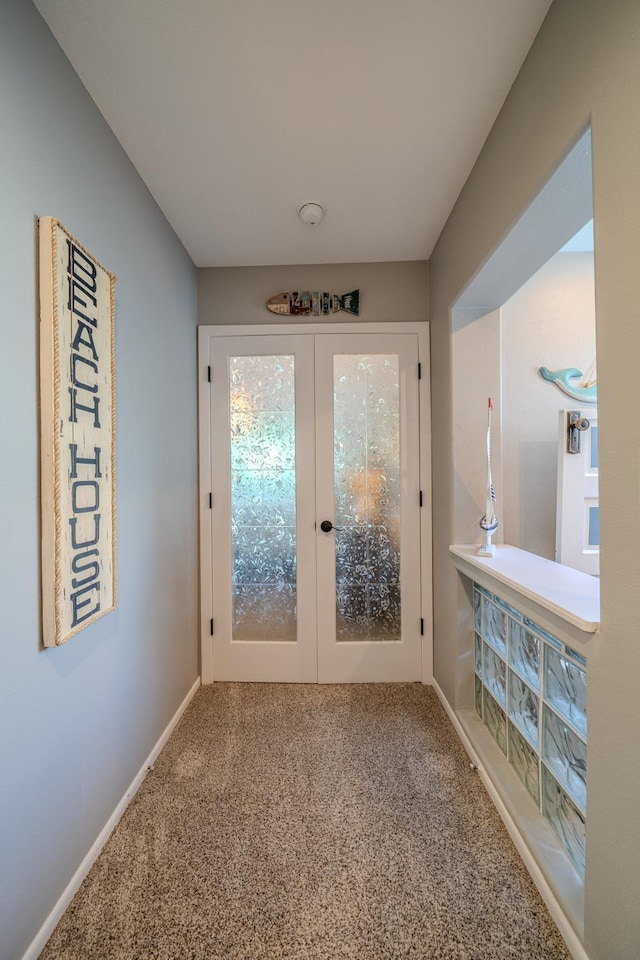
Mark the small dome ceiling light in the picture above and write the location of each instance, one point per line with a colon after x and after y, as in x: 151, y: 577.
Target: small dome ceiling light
x: 311, y: 214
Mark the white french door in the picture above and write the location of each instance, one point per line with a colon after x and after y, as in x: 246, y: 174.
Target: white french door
x: 263, y: 510
x: 367, y: 484
x: 578, y: 503
x: 312, y: 442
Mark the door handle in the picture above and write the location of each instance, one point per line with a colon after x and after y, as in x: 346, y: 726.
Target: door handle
x: 326, y: 526
x: 576, y: 424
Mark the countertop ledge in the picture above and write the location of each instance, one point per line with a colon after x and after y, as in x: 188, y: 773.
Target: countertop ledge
x: 570, y: 594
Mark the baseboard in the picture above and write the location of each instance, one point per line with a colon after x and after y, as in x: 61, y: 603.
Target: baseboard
x: 570, y: 937
x: 47, y: 928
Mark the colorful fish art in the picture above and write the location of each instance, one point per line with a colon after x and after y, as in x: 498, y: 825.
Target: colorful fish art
x: 313, y: 303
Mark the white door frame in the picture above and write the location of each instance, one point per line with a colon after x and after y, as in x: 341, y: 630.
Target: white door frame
x: 205, y: 334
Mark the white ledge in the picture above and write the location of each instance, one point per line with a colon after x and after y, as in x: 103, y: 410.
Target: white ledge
x: 570, y: 594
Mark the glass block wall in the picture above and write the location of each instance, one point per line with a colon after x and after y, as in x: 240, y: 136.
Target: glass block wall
x: 531, y: 694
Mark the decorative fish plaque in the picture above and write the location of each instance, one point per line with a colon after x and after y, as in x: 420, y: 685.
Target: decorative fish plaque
x: 586, y: 392
x: 313, y: 303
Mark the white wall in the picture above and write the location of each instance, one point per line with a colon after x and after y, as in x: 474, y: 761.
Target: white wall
x: 78, y: 721
x: 477, y: 375
x: 583, y: 68
x: 549, y: 322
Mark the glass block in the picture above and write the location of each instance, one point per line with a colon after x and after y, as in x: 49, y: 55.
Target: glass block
x: 478, y: 695
x: 483, y: 591
x: 565, y: 818
x: 495, y: 627
x: 524, y: 653
x: 523, y: 708
x: 570, y: 652
x: 477, y: 644
x: 495, y: 675
x: 565, y: 688
x: 477, y: 610
x: 566, y: 755
x: 525, y: 762
x: 509, y: 609
x: 495, y: 720
x: 543, y: 633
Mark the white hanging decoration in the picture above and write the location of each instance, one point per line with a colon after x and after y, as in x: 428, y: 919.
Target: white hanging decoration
x: 489, y: 522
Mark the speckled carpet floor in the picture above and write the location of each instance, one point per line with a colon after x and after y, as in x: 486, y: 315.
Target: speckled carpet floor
x: 309, y: 823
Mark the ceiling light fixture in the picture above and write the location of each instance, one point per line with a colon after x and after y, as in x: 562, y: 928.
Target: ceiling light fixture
x: 311, y: 214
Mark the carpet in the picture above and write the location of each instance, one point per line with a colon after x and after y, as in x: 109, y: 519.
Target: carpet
x: 302, y: 822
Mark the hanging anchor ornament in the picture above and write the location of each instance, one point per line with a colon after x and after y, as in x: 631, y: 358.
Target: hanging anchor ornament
x: 489, y: 522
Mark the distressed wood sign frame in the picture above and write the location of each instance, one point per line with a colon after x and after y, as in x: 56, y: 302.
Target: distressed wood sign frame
x: 77, y: 400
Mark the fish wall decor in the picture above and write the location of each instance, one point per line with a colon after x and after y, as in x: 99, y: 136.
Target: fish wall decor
x: 313, y: 303
x: 583, y: 393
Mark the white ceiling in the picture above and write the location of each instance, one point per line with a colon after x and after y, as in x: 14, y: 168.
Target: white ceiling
x: 235, y: 112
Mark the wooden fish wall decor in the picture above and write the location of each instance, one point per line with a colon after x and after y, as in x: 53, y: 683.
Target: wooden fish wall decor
x: 313, y: 303
x: 583, y: 392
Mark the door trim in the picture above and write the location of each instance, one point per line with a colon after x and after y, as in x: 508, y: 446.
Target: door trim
x: 208, y: 332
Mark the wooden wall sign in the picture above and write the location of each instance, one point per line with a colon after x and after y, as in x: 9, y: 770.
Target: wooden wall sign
x: 77, y: 386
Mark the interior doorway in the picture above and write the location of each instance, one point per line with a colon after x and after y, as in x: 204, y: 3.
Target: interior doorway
x: 312, y: 569
x: 523, y: 332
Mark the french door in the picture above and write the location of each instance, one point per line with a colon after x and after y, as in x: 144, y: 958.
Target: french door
x: 578, y: 504
x: 315, y: 520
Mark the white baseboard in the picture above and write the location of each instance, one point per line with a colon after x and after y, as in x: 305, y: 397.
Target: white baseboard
x: 574, y: 944
x: 47, y: 928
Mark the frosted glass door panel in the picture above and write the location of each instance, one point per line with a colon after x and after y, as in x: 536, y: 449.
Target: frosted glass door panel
x: 367, y: 496
x: 368, y: 512
x: 263, y: 497
x: 262, y: 456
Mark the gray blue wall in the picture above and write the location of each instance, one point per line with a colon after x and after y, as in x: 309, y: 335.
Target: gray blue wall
x: 583, y: 68
x: 77, y: 722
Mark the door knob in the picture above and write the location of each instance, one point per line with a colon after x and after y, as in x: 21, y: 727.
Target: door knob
x: 576, y: 424
x: 326, y: 526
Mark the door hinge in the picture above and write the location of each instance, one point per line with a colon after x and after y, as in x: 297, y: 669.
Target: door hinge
x: 210, y: 501
x: 211, y: 626
x: 419, y: 371
x: 421, y: 498
x: 422, y: 626
x: 209, y: 374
